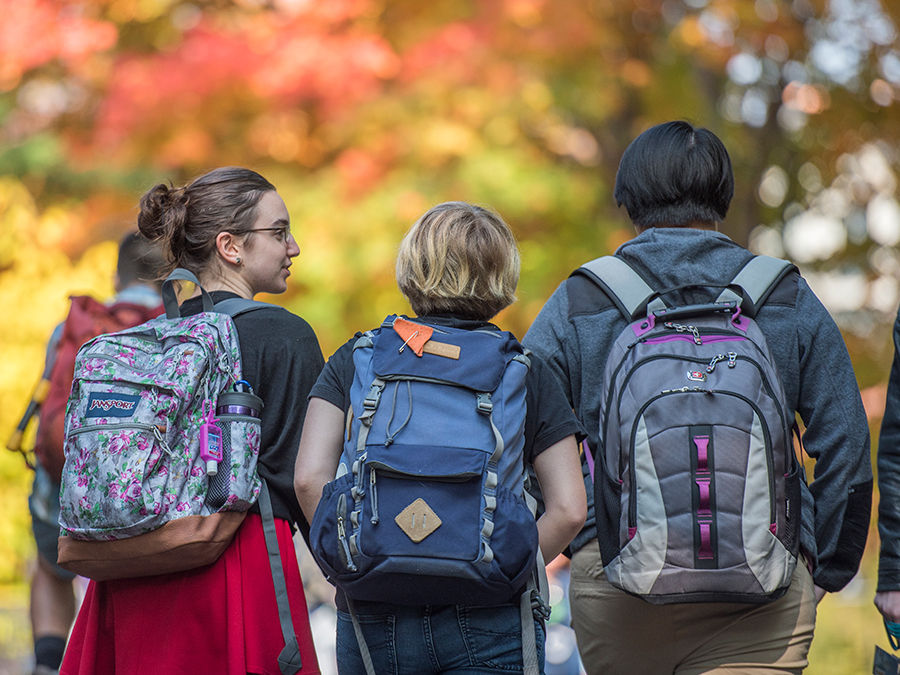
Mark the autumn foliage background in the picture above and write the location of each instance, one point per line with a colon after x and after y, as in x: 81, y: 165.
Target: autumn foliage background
x: 366, y: 112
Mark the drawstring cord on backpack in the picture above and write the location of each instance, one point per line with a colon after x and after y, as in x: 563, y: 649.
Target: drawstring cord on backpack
x: 389, y: 437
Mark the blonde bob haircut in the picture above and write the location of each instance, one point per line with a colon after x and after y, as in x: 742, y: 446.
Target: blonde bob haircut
x: 459, y: 259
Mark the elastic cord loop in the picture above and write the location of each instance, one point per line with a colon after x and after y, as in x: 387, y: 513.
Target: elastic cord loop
x: 893, y: 633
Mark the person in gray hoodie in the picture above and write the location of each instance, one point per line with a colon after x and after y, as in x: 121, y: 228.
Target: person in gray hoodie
x: 676, y: 183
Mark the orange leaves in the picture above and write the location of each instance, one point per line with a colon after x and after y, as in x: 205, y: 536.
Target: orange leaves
x: 807, y: 98
x: 36, y: 32
x: 217, y: 74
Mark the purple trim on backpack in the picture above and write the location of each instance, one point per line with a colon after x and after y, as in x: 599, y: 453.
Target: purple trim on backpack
x: 703, y: 509
x: 589, y: 457
x: 740, y: 322
x: 644, y: 326
x: 705, y: 552
x: 773, y: 528
x: 702, y: 443
x: 707, y: 339
x: 631, y: 532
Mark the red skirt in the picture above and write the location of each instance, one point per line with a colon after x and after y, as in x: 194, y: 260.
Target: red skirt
x: 221, y: 619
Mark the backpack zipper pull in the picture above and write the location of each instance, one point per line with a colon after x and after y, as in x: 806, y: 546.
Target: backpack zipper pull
x: 712, y: 364
x: 732, y: 359
x: 681, y: 328
x: 374, y: 492
x: 157, y: 433
x: 342, y: 532
x: 342, y: 535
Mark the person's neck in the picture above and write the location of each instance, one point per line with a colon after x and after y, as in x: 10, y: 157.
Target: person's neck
x: 225, y: 283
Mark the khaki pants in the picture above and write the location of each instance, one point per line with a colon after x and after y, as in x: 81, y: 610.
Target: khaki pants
x: 619, y: 633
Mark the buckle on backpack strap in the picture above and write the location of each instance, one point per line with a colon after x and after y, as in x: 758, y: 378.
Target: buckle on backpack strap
x: 540, y: 608
x: 374, y: 395
x: 484, y: 404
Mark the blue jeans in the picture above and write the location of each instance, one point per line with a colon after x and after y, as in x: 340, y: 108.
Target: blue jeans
x: 438, y: 639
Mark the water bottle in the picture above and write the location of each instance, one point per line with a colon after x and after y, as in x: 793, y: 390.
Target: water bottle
x: 230, y: 407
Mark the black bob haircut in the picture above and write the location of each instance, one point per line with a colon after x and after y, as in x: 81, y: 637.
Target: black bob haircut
x: 674, y: 174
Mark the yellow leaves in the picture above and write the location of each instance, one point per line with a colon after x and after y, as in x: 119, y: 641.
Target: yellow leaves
x: 36, y: 278
x: 443, y: 139
x: 537, y: 95
x: 525, y: 13
x: 636, y: 72
x: 284, y: 136
x: 123, y: 11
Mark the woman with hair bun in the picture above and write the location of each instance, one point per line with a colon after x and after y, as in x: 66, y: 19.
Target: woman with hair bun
x: 232, y: 230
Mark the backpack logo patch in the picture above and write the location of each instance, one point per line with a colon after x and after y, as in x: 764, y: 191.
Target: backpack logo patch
x: 112, y: 405
x: 418, y: 520
x: 696, y: 376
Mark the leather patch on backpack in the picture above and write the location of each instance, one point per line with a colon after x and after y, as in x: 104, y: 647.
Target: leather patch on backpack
x: 441, y: 349
x: 418, y: 520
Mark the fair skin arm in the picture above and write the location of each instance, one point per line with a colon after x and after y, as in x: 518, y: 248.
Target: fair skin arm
x: 319, y: 453
x: 558, y: 470
x: 888, y: 603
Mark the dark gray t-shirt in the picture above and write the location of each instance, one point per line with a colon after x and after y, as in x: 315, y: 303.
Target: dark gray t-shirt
x: 281, y: 359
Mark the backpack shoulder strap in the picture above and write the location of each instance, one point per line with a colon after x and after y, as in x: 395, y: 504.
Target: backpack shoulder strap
x: 757, y: 278
x: 625, y: 287
x: 289, y: 660
x: 236, y: 306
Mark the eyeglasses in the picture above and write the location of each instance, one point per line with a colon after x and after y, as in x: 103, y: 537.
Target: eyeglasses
x: 284, y: 232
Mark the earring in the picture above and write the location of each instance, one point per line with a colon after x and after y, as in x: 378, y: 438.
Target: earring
x: 237, y: 261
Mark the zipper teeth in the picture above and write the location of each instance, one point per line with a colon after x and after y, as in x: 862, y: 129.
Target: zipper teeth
x: 110, y: 427
x: 767, y: 440
x: 128, y: 366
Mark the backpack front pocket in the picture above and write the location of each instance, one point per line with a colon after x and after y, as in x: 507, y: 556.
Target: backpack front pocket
x: 122, y: 492
x: 430, y: 510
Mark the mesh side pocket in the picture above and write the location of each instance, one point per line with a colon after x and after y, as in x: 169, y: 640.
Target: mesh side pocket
x: 236, y: 485
x: 219, y: 484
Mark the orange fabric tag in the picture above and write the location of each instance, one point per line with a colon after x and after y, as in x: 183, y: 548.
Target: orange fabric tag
x: 414, y: 335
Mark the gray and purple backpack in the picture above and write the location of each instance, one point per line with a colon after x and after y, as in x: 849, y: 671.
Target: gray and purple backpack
x: 696, y: 486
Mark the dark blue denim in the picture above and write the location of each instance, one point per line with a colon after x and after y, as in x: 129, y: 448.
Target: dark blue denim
x: 437, y: 639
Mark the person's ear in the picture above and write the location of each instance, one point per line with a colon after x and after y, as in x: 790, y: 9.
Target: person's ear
x: 228, y: 246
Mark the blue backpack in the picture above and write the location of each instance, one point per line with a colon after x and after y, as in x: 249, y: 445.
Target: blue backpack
x: 428, y: 506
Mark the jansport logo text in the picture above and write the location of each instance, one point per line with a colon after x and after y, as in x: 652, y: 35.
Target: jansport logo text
x: 106, y: 404
x: 111, y: 405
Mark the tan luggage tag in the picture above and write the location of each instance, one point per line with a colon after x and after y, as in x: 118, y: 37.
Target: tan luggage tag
x: 441, y: 349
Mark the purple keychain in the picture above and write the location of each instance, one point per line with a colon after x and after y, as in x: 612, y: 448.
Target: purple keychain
x: 210, y: 440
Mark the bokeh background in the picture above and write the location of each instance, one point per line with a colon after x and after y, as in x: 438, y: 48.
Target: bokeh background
x: 366, y: 112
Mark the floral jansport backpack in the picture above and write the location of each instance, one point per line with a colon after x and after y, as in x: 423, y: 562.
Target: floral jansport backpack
x: 136, y: 497
x: 154, y: 482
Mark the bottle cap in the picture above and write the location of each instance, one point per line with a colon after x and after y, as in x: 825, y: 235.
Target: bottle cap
x: 239, y: 403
